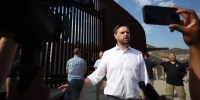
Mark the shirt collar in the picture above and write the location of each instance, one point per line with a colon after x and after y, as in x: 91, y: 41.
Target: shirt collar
x: 117, y: 48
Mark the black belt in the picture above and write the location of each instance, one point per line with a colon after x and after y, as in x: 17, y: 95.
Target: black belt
x: 116, y: 98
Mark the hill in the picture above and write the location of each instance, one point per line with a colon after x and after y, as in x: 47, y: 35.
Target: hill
x: 180, y: 53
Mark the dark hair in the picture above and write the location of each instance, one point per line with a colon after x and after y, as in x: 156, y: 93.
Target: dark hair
x: 118, y: 26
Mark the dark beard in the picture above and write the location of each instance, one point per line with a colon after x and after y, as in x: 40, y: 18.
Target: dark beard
x: 123, y: 43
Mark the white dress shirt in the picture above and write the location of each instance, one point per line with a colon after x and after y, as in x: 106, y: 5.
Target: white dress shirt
x: 123, y: 70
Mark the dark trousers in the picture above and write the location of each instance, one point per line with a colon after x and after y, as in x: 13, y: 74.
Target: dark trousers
x: 74, y: 89
x: 109, y: 97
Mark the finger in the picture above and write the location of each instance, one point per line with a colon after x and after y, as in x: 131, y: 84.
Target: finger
x: 60, y: 87
x: 64, y: 90
x: 176, y: 27
x: 63, y: 86
x: 187, y: 13
x: 172, y: 28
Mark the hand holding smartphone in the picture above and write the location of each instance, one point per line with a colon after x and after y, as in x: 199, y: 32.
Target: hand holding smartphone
x: 160, y: 15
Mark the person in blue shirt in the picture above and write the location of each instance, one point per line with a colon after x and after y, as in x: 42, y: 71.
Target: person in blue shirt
x: 98, y: 85
x: 76, y: 67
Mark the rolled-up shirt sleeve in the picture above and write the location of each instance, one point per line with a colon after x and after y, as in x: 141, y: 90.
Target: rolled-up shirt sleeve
x: 93, y: 79
x: 99, y: 73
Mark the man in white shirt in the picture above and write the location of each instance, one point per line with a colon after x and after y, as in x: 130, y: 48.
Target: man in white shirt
x: 123, y: 67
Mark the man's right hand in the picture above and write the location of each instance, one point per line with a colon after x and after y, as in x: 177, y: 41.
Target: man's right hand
x: 63, y: 87
x: 189, y: 26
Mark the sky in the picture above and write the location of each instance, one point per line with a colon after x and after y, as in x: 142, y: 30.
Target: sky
x: 159, y: 35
